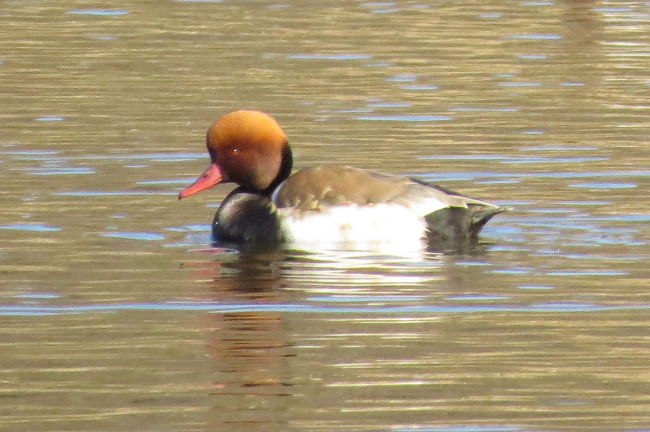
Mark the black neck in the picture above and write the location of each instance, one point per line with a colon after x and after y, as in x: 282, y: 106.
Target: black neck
x: 284, y: 172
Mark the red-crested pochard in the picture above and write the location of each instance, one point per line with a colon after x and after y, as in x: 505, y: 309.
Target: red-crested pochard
x: 329, y: 203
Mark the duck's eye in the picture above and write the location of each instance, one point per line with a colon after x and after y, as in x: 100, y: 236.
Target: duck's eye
x: 234, y: 150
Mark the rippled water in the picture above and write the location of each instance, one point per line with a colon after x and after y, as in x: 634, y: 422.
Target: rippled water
x: 118, y: 313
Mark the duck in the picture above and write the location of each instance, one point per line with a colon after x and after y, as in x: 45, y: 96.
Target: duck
x: 330, y: 203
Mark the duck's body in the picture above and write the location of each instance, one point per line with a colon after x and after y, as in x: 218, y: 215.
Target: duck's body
x: 326, y: 203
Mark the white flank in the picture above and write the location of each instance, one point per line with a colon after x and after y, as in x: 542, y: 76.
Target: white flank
x: 381, y: 227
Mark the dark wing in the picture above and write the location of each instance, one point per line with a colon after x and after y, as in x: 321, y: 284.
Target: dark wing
x: 329, y: 185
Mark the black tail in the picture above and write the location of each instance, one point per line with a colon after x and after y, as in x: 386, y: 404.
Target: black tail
x: 480, y: 216
x: 458, y: 225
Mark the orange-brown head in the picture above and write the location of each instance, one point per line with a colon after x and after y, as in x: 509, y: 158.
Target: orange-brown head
x: 248, y: 148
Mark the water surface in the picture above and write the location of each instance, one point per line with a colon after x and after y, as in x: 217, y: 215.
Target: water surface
x: 118, y: 313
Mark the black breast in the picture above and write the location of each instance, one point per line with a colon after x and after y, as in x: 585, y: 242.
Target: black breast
x: 247, y: 217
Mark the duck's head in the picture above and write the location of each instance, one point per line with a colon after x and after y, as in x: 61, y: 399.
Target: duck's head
x: 248, y: 148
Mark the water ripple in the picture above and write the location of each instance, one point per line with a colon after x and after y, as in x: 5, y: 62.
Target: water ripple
x: 218, y: 308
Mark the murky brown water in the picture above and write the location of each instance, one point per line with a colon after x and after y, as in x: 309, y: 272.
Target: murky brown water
x: 117, y: 314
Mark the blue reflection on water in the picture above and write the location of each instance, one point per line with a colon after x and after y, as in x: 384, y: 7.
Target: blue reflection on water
x: 389, y: 105
x: 403, y: 78
x: 136, y: 235
x: 612, y: 9
x: 472, y: 175
x: 587, y: 273
x: 181, y: 181
x: 42, y: 155
x: 190, y: 228
x: 39, y: 296
x: 469, y: 428
x: 100, y: 12
x: 364, y: 298
x: 536, y: 287
x: 532, y: 56
x: 330, y: 56
x: 110, y: 193
x: 50, y: 118
x: 406, y: 118
x: 519, y: 84
x: 218, y: 308
x: 558, y: 148
x: 104, y: 37
x: 535, y: 36
x: 419, y: 87
x: 521, y: 159
x: 30, y: 227
x: 491, y: 15
x: 485, y: 109
x: 476, y: 298
x: 29, y: 152
x: 537, y: 3
x: 604, y: 185
x: 61, y: 171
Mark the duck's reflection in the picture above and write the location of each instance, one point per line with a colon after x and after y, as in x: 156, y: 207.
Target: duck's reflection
x: 258, y: 378
x: 250, y: 348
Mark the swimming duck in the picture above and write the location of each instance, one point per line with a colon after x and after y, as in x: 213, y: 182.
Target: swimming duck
x: 329, y: 203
